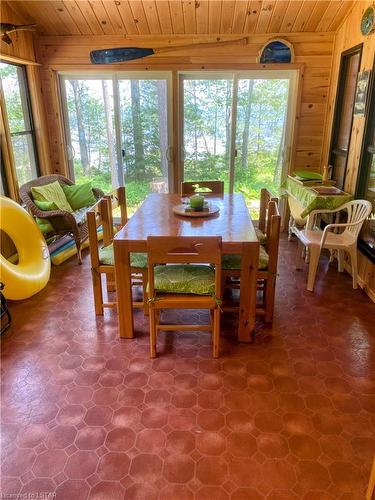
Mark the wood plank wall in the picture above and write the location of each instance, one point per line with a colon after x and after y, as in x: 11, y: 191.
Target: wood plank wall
x: 23, y: 47
x: 313, y: 53
x: 348, y: 36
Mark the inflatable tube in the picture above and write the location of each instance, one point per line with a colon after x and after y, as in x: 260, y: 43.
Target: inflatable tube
x: 32, y: 272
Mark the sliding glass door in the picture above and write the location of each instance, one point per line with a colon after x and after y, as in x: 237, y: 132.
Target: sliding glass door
x: 237, y: 127
x: 117, y: 132
x: 207, y: 104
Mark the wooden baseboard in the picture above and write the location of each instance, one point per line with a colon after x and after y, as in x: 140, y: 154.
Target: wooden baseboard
x: 368, y: 291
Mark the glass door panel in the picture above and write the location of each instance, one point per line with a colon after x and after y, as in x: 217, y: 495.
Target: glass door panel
x: 207, y: 104
x: 144, y: 137
x: 91, y: 133
x: 262, y: 107
x: 117, y: 133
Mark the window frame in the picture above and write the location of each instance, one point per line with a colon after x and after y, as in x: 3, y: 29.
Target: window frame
x: 367, y: 156
x: 27, y: 110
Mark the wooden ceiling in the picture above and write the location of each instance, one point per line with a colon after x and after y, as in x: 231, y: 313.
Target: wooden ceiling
x: 155, y: 17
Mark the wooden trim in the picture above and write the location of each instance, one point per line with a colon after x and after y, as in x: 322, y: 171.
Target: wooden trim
x: 39, y: 119
x: 7, y: 151
x: 18, y: 60
x: 170, y: 66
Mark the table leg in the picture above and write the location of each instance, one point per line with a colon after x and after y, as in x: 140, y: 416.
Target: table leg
x: 123, y: 290
x: 248, y: 291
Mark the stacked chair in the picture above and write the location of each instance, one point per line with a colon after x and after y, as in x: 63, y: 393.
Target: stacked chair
x: 269, y: 220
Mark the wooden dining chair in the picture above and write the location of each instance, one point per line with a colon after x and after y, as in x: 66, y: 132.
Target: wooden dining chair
x: 267, y: 268
x: 188, y: 188
x: 265, y: 197
x: 101, y: 253
x: 184, y: 273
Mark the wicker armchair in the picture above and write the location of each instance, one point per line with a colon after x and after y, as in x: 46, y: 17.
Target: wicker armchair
x: 62, y: 221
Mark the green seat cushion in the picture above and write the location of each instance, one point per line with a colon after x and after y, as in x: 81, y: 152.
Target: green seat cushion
x: 185, y: 278
x: 262, y: 238
x: 46, y: 206
x: 309, y: 176
x: 136, y: 259
x: 232, y: 261
x: 54, y: 193
x: 79, y: 195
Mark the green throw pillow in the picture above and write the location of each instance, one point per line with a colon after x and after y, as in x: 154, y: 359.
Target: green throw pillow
x: 44, y: 225
x: 185, y: 278
x: 80, y: 195
x: 46, y: 206
x: 309, y: 176
x: 52, y: 192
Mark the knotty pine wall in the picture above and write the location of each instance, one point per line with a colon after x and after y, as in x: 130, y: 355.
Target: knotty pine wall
x: 313, y: 57
x: 23, y: 47
x: 348, y: 36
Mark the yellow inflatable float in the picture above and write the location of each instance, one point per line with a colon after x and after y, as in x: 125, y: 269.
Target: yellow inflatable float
x: 32, y: 272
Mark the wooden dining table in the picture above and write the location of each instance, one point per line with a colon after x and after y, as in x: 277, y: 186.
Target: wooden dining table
x: 155, y: 217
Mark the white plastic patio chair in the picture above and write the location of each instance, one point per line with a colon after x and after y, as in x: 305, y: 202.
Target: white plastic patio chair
x: 344, y: 241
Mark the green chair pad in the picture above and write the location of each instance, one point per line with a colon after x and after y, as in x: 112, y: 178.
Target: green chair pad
x: 262, y: 238
x: 232, y: 261
x: 136, y: 259
x: 184, y: 278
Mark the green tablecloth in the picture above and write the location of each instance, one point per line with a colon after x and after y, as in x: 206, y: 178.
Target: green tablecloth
x: 310, y: 200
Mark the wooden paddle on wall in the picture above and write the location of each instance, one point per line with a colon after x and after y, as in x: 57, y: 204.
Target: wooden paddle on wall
x: 123, y: 54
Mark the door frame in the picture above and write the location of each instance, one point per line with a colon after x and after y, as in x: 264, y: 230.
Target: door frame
x: 294, y: 77
x: 357, y: 49
x: 115, y: 76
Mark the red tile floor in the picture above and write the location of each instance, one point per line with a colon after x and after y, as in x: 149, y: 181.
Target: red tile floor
x: 292, y: 416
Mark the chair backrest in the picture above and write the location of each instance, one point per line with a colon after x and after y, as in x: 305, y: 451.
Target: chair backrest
x: 25, y: 189
x: 94, y: 220
x: 111, y: 201
x: 265, y: 197
x: 188, y: 188
x: 358, y: 211
x: 184, y: 250
x: 273, y: 237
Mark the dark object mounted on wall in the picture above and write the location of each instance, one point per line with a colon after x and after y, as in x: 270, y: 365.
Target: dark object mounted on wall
x: 368, y: 21
x: 123, y: 54
x: 276, y: 51
x: 5, y: 317
x: 6, y: 28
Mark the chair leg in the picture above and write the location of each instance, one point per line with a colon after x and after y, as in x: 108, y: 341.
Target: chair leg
x: 79, y: 253
x: 270, y: 298
x: 299, y: 254
x: 145, y: 295
x: 111, y: 284
x: 152, y: 319
x: 216, y: 333
x: 340, y: 260
x: 353, y: 260
x: 313, y: 266
x: 98, y: 292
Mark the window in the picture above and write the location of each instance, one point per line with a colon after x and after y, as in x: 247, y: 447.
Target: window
x: 342, y: 126
x: 15, y: 93
x: 366, y: 180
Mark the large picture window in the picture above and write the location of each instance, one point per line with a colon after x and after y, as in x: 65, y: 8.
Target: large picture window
x: 15, y: 96
x: 366, y: 180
